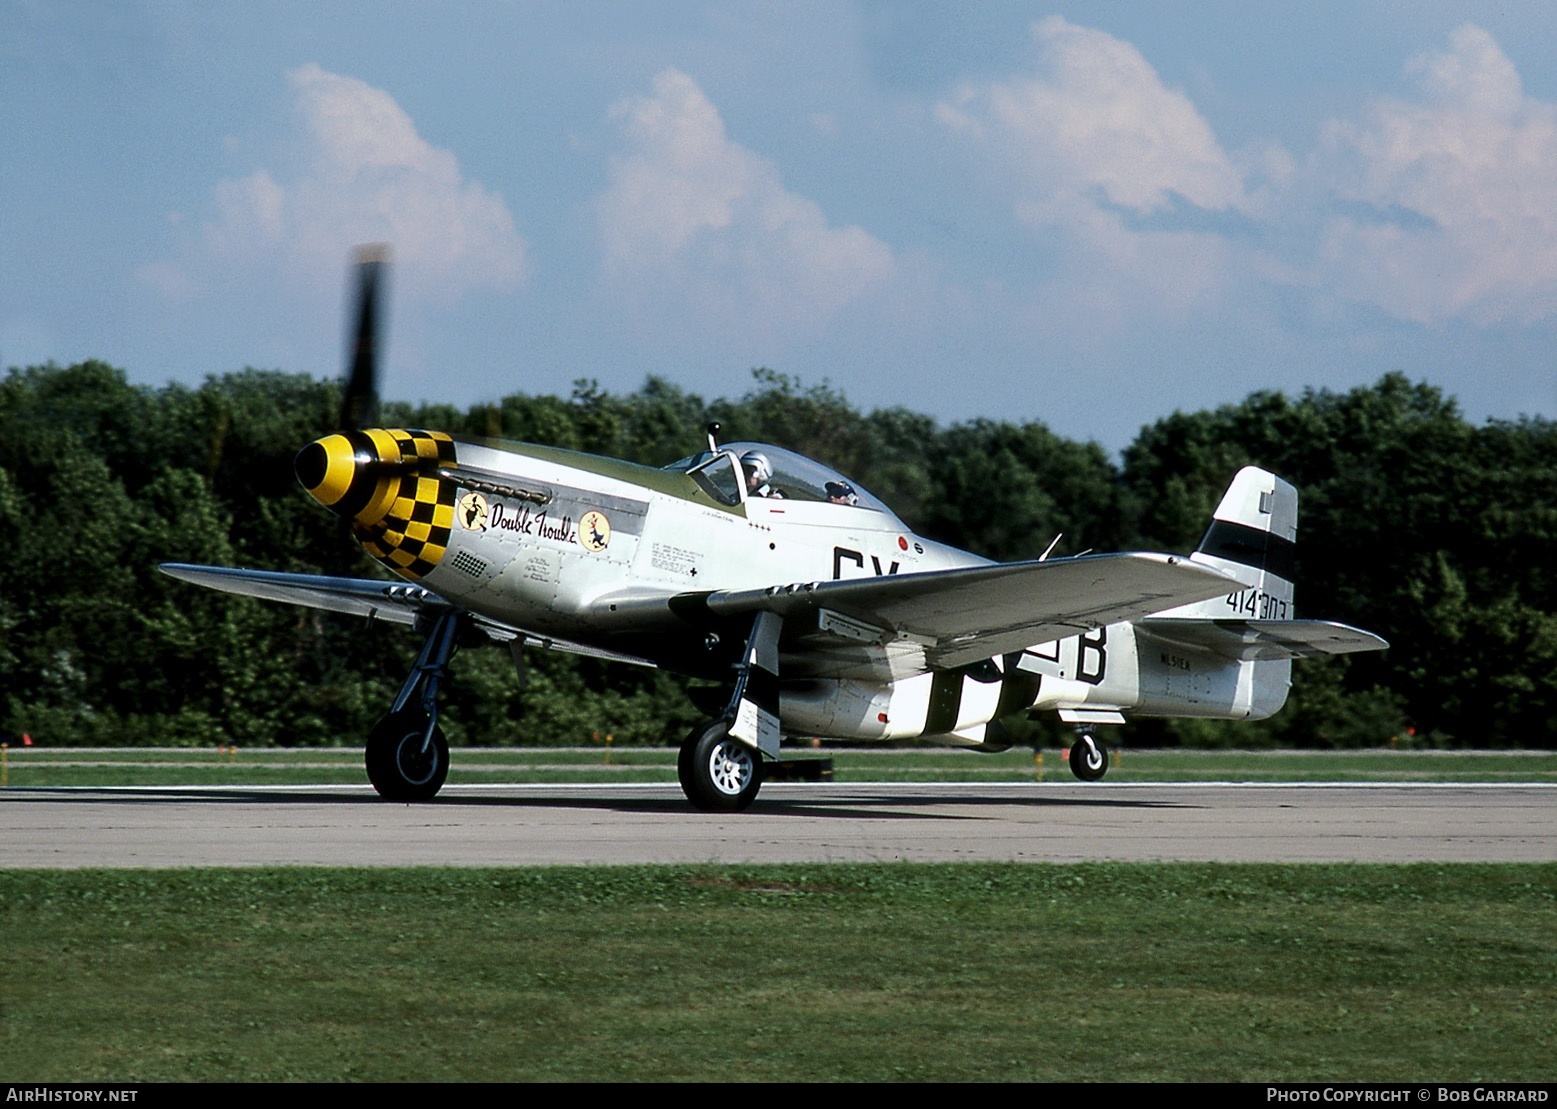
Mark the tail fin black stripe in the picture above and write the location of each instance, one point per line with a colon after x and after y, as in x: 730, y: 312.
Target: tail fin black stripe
x: 1251, y: 547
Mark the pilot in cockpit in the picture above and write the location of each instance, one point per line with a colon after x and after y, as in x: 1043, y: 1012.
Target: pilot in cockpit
x: 759, y: 475
x: 841, y: 492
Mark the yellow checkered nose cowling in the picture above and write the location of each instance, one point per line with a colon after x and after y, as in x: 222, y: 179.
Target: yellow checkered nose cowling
x: 385, y: 482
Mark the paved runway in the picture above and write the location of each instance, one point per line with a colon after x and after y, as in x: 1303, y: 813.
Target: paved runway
x: 558, y: 824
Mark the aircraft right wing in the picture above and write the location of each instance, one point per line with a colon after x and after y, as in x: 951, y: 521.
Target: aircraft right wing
x: 371, y: 598
x: 397, y: 602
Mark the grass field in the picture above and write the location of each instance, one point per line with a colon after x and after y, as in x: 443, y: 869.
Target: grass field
x: 795, y: 973
x: 38, y: 766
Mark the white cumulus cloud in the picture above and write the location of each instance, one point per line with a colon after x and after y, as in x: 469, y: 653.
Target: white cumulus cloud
x: 364, y: 174
x: 1096, y: 119
x: 1094, y: 148
x: 1457, y: 187
x: 694, y: 221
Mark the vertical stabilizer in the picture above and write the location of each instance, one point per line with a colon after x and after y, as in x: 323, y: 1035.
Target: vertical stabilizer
x: 1253, y: 535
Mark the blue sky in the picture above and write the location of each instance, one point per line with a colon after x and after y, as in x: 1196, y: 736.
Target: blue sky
x: 1084, y: 214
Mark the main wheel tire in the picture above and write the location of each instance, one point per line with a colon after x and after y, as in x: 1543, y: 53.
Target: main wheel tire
x: 1088, y: 759
x: 718, y: 774
x: 400, y: 766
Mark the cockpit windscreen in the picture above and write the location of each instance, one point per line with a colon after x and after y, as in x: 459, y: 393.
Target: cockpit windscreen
x: 775, y: 472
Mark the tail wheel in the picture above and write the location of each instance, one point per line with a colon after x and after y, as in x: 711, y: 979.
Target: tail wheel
x: 1088, y: 760
x: 405, y: 763
x: 718, y: 773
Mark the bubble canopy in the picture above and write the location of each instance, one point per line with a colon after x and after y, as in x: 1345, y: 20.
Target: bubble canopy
x: 793, y: 476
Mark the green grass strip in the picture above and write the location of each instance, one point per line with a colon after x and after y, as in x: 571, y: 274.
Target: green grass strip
x: 1136, y: 972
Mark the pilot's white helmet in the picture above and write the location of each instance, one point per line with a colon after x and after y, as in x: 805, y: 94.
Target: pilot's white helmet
x: 758, y: 466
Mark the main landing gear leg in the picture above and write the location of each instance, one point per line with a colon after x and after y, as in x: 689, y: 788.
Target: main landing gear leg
x: 1088, y: 758
x: 407, y: 756
x: 720, y: 766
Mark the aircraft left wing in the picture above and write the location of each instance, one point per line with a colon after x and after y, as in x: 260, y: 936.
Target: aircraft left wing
x: 963, y: 616
x: 396, y: 602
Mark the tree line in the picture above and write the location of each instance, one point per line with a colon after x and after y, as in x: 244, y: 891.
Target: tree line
x: 1435, y: 532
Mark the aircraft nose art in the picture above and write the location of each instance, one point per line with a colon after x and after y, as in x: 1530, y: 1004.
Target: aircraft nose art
x: 385, y: 482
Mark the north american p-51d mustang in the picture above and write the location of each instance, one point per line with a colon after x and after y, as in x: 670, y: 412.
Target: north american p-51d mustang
x: 820, y: 611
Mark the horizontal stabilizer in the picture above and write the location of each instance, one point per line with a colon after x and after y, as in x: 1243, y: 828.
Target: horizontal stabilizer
x: 1264, y: 639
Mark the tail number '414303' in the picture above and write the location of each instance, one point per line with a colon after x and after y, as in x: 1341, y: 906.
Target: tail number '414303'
x: 1258, y: 605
